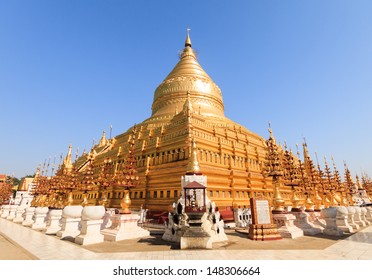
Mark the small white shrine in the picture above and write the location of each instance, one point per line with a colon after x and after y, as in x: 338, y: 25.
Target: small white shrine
x: 23, y: 195
x: 195, y: 222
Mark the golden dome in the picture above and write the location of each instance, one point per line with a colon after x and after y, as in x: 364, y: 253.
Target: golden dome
x: 188, y: 76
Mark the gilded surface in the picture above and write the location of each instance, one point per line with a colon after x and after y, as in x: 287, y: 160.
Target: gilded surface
x: 188, y: 107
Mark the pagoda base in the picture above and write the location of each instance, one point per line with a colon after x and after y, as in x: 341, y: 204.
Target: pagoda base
x: 264, y: 232
x: 195, y: 238
x: 124, y: 226
x: 286, y: 227
x: 173, y: 233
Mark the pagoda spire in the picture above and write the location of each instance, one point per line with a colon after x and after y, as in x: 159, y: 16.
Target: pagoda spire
x: 193, y: 167
x: 275, y: 171
x: 68, y: 157
x: 329, y: 184
x: 348, y: 178
x: 187, y: 75
x: 67, y: 162
x: 337, y: 183
x: 271, y: 138
x: 322, y: 184
x: 187, y: 107
x: 359, y: 185
x: 188, y: 40
x: 103, y: 140
x: 37, y: 173
x: 306, y: 157
x: 128, y: 177
x: 291, y: 176
x: 350, y: 185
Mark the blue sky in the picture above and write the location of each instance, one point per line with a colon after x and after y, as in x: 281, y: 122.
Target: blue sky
x: 70, y: 69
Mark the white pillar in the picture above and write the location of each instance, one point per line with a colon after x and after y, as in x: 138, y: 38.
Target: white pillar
x: 28, y: 221
x: 351, y: 211
x: 54, y: 221
x: 363, y: 215
x: 12, y: 212
x: 358, y: 217
x: 331, y: 228
x: 91, y: 225
x: 39, y: 218
x: 6, y: 210
x: 342, y: 219
x: 71, y: 217
x: 19, y: 215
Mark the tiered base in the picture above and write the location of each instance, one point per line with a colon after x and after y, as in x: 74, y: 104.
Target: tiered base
x: 196, y: 238
x: 264, y: 232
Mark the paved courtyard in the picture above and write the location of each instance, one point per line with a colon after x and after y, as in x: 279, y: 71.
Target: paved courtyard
x: 22, y: 243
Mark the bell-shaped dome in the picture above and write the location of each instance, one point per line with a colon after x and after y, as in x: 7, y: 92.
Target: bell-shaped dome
x: 188, y: 76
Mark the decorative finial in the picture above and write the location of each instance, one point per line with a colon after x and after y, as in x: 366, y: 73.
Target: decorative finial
x: 103, y: 140
x: 68, y: 159
x: 272, y: 138
x: 187, y: 107
x: 193, y: 166
x: 188, y: 40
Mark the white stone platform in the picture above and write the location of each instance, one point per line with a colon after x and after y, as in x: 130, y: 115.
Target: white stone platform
x: 124, y: 226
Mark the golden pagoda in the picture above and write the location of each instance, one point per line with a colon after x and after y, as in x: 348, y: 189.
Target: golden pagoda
x: 187, y: 106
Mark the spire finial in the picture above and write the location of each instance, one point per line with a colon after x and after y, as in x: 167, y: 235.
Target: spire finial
x: 68, y: 159
x: 188, y: 40
x: 187, y: 107
x: 272, y: 138
x: 103, y: 140
x: 193, y: 166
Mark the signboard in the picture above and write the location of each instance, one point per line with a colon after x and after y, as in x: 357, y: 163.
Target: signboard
x: 263, y: 212
x: 262, y: 227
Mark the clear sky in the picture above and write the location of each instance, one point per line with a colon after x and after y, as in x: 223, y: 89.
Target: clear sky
x: 70, y: 69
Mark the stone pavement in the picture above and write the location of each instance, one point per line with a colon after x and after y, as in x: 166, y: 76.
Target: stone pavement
x: 19, y: 243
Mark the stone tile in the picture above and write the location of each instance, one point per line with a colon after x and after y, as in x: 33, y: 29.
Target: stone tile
x: 356, y: 246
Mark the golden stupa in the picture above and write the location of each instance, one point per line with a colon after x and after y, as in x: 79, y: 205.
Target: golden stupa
x: 187, y: 106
